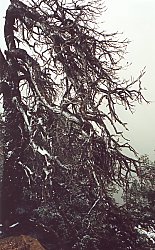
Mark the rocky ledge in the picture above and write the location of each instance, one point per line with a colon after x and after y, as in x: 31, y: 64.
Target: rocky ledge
x: 22, y: 242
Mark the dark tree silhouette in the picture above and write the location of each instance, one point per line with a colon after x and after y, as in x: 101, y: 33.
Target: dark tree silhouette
x: 63, y: 151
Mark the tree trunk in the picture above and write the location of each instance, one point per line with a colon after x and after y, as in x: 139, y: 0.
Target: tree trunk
x: 14, y: 141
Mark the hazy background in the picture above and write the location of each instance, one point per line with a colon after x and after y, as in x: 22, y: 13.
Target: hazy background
x: 135, y: 19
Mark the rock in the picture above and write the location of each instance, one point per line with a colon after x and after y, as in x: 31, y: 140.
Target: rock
x: 22, y: 242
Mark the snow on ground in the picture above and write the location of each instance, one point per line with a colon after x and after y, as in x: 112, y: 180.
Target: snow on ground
x: 150, y: 233
x: 0, y: 228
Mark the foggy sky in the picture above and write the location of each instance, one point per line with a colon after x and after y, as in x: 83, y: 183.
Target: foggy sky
x: 135, y: 19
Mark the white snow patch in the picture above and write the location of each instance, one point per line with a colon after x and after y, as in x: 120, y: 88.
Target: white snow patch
x: 149, y: 234
x: 9, y: 154
x: 40, y: 150
x: 40, y: 121
x: 28, y: 169
x: 44, y: 152
x: 15, y: 224
x: 47, y: 172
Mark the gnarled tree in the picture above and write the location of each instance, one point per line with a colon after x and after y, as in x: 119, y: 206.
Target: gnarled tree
x: 63, y: 151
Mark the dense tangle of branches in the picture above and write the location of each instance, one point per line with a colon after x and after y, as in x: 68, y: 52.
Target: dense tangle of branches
x: 60, y: 84
x: 73, y: 71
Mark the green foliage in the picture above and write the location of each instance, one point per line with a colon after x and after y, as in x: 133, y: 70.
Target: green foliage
x: 140, y: 197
